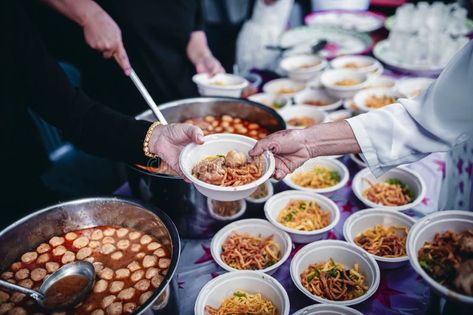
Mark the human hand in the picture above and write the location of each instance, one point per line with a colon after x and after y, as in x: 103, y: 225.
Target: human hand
x: 289, y: 149
x: 209, y: 64
x: 167, y: 141
x: 103, y: 34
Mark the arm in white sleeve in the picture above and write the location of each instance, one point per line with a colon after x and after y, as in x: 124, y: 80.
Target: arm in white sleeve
x: 436, y: 121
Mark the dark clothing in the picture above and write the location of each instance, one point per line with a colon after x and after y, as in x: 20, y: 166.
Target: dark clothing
x: 33, y: 78
x: 155, y: 35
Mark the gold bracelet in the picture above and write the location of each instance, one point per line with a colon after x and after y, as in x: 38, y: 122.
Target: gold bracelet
x: 146, y: 149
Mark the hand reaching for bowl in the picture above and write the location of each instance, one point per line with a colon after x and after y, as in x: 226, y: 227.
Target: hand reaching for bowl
x: 167, y: 141
x: 291, y: 148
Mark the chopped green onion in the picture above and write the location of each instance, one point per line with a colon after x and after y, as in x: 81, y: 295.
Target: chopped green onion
x: 239, y: 294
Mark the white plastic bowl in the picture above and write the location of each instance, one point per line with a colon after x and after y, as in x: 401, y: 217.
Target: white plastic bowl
x: 355, y: 158
x: 275, y: 204
x: 362, y: 220
x: 292, y: 65
x: 341, y: 252
x: 221, y: 144
x: 256, y: 227
x: 365, y: 64
x: 269, y: 99
x: 424, y: 230
x: 302, y: 111
x: 223, y: 286
x: 275, y: 87
x: 318, y: 95
x: 412, y: 86
x: 408, y: 177
x: 330, y: 77
x: 216, y: 216
x: 232, y: 85
x: 330, y: 163
x: 269, y: 187
x: 361, y: 97
x: 326, y: 309
x: 381, y: 82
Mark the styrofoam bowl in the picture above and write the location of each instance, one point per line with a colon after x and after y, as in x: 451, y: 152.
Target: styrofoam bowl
x: 412, y: 86
x: 219, y: 217
x: 221, y: 144
x: 361, y: 97
x: 302, y: 111
x: 410, y: 178
x: 330, y: 163
x: 223, y: 286
x: 341, y: 252
x: 276, y: 203
x: 327, y: 309
x: 256, y: 227
x: 365, y: 64
x: 232, y: 86
x: 269, y: 99
x: 292, y: 65
x: 318, y: 95
x: 382, y: 81
x: 424, y: 230
x: 330, y: 77
x: 362, y: 220
x: 269, y: 187
x: 275, y: 87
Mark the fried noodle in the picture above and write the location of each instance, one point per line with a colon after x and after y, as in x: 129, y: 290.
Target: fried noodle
x: 389, y: 193
x: 319, y: 177
x: 384, y: 241
x: 242, y: 303
x: 303, y: 215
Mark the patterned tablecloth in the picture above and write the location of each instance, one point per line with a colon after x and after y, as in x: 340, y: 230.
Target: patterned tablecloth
x: 401, y: 291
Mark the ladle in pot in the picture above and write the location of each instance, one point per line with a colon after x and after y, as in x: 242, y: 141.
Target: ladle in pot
x: 65, y: 288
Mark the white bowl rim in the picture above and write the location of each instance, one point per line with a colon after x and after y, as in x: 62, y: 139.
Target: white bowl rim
x: 305, y: 310
x: 309, y: 194
x: 299, y: 96
x: 414, y: 261
x: 344, y: 88
x: 264, y: 199
x: 234, y: 227
x: 373, y: 90
x: 250, y: 274
x: 323, y: 63
x: 198, y: 79
x: 343, y: 178
x: 259, y: 181
x: 372, y: 66
x: 368, y: 211
x: 307, y: 248
x: 280, y: 81
x: 229, y: 218
x: 369, y: 203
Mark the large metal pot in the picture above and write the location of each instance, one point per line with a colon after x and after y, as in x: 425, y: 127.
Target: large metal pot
x: 186, y: 206
x: 41, y: 225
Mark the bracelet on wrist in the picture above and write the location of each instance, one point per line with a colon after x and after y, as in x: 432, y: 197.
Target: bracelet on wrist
x: 146, y: 149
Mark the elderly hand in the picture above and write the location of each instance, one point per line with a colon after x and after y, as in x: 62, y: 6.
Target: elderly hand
x: 209, y: 64
x: 167, y: 141
x: 103, y: 34
x: 289, y: 149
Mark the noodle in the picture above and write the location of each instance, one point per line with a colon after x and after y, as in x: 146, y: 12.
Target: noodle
x: 302, y: 121
x: 226, y: 208
x: 319, y: 177
x: 330, y: 280
x: 375, y: 101
x: 390, y: 193
x: 246, y: 252
x: 228, y: 171
x: 384, y: 241
x: 260, y: 192
x: 303, y: 215
x: 242, y: 303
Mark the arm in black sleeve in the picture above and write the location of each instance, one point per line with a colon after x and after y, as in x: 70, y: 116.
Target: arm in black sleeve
x: 93, y: 127
x: 198, y: 17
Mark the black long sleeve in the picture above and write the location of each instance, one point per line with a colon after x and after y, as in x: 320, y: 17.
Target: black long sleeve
x: 35, y: 79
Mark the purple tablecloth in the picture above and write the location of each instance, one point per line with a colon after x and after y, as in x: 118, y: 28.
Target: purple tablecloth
x: 401, y: 291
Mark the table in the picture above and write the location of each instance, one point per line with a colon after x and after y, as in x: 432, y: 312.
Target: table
x: 401, y: 291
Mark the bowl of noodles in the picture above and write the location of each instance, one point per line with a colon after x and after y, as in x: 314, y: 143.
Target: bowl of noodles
x: 335, y: 272
x: 226, y: 210
x: 381, y: 233
x: 242, y: 292
x: 283, y: 87
x: 221, y: 84
x: 262, y: 193
x: 250, y: 244
x: 375, y: 98
x: 302, y: 116
x: 398, y: 189
x: 440, y: 248
x: 325, y: 309
x: 221, y: 168
x: 342, y: 83
x: 321, y: 175
x: 304, y: 215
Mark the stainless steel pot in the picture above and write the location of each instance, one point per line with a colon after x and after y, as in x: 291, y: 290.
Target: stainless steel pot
x: 186, y: 206
x: 41, y: 225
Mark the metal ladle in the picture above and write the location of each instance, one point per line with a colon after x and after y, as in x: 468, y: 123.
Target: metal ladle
x: 78, y: 268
